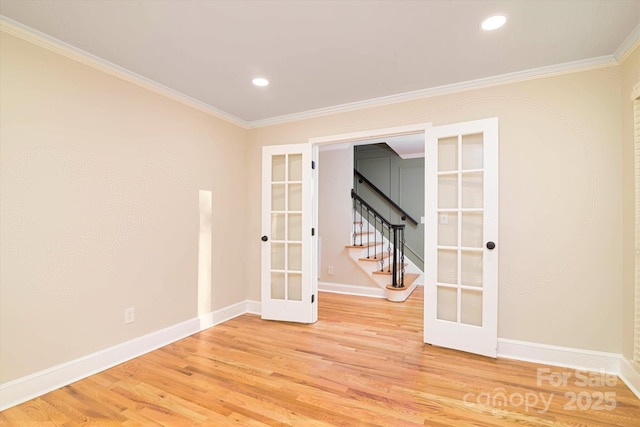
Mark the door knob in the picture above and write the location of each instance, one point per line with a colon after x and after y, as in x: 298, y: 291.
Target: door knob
x: 491, y: 245
x: 265, y: 238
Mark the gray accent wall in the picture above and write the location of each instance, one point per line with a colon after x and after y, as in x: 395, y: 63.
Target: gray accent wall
x: 400, y: 179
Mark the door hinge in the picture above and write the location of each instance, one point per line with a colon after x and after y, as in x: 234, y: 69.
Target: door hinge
x: 313, y: 164
x: 313, y: 231
x: 313, y: 298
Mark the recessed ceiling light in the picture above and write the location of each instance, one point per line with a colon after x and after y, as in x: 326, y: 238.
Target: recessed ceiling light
x: 493, y: 22
x: 260, y: 81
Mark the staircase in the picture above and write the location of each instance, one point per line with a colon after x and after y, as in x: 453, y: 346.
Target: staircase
x: 377, y: 247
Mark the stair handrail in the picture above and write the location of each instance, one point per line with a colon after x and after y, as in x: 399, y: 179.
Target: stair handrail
x: 405, y: 214
x: 395, y: 236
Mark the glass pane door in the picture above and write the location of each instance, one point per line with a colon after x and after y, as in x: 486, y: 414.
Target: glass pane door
x: 460, y: 237
x: 286, y: 227
x: 288, y: 288
x: 461, y: 228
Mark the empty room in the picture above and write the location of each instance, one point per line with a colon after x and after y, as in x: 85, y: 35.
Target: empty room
x: 354, y: 213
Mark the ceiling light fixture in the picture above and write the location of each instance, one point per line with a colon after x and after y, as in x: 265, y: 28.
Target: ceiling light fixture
x: 493, y: 22
x: 260, y: 81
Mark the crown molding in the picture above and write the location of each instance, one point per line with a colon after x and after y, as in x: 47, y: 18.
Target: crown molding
x: 38, y: 38
x: 518, y: 76
x: 31, y: 35
x: 628, y: 45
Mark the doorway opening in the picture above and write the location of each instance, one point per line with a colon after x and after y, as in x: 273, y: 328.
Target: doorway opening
x: 394, y: 160
x: 461, y: 228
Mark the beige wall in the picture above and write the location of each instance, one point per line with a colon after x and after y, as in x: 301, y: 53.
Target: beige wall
x: 560, y: 198
x: 335, y: 180
x: 99, y: 209
x: 630, y: 77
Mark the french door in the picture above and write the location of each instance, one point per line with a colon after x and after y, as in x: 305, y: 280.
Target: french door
x: 461, y: 236
x: 288, y: 285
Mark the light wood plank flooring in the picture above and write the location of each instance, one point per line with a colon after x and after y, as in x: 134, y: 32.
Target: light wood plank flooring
x: 362, y: 364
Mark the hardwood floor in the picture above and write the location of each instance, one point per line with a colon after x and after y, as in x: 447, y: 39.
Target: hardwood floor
x: 363, y: 363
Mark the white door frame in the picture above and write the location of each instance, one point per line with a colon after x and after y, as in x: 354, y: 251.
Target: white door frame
x: 353, y: 137
x: 369, y: 134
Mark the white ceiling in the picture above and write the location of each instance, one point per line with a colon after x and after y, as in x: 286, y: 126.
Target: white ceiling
x: 323, y: 54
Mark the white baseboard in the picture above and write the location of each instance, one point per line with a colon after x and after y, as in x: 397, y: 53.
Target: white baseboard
x: 630, y: 376
x: 566, y: 357
x: 31, y: 386
x: 222, y: 315
x: 362, y: 291
x: 253, y: 307
x: 572, y: 358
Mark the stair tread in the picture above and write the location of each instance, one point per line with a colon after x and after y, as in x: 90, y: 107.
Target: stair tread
x: 379, y: 257
x: 389, y: 273
x: 363, y: 246
x: 409, y: 278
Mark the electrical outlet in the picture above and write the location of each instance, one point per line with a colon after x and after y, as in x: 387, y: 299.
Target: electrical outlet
x: 330, y: 270
x: 129, y: 315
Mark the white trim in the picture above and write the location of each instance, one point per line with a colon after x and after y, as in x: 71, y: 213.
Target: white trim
x: 43, y: 40
x: 361, y: 291
x: 627, y: 45
x: 572, y: 358
x: 254, y: 307
x: 559, y: 356
x: 630, y: 376
x: 370, y: 134
x: 31, y: 386
x: 518, y: 76
x: 336, y: 146
x: 412, y: 156
x: 222, y: 315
